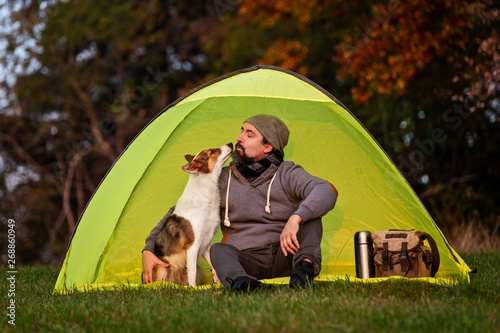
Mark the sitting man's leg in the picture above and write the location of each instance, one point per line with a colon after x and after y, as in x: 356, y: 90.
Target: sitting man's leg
x: 241, y: 270
x: 306, y: 263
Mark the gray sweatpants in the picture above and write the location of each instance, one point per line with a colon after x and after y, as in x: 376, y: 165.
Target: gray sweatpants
x: 267, y: 262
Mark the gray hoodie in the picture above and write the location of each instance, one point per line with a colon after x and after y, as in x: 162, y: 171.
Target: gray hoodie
x: 291, y: 190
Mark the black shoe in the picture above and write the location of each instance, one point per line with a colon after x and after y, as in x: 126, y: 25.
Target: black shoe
x: 245, y: 284
x: 302, y: 275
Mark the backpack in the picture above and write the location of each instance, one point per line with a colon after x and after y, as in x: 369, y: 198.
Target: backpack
x: 403, y: 253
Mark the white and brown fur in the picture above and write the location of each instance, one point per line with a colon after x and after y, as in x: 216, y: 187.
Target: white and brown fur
x: 186, y: 234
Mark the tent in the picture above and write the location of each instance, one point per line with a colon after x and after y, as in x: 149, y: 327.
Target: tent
x: 326, y: 139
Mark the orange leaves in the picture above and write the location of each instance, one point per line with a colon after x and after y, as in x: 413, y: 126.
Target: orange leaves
x: 379, y: 47
x: 289, y: 54
x: 385, y: 55
x: 268, y: 13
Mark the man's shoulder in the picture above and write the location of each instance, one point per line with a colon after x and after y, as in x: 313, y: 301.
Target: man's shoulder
x: 291, y: 170
x: 287, y: 166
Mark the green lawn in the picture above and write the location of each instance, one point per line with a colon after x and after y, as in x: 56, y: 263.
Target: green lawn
x: 406, y: 306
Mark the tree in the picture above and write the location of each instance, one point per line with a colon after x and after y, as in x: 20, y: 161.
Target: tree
x: 422, y: 76
x: 441, y: 59
x: 94, y: 76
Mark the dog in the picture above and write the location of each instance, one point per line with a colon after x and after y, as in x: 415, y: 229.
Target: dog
x: 186, y: 234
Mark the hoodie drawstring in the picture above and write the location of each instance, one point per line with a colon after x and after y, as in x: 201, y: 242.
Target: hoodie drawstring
x: 227, y: 223
x: 267, y: 208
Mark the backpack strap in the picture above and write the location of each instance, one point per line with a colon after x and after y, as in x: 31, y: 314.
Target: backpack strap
x: 404, y: 258
x: 385, y: 256
x: 435, y: 254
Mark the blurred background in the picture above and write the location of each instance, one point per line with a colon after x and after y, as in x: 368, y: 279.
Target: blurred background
x: 80, y: 78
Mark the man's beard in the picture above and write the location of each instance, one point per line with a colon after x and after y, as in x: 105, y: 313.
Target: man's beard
x: 240, y: 157
x: 249, y: 167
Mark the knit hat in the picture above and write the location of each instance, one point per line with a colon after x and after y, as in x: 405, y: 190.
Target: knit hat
x: 272, y: 129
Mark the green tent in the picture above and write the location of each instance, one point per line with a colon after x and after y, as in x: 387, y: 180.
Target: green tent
x: 326, y: 139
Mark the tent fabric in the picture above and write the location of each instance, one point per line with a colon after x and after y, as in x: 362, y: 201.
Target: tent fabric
x: 326, y: 139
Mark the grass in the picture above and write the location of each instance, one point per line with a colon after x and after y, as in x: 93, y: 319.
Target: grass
x: 406, y: 306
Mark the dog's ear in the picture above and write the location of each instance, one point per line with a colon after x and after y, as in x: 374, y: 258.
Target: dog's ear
x: 193, y: 167
x: 189, y: 158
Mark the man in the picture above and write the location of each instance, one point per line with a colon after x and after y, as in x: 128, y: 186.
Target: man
x: 275, y: 209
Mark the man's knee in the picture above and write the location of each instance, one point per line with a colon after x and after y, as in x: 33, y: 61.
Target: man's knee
x: 218, y: 250
x: 214, y: 250
x: 215, y: 247
x: 311, y: 232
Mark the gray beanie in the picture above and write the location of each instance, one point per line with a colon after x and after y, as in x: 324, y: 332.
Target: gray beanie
x: 272, y: 129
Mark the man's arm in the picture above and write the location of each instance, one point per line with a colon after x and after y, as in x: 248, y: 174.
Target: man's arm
x: 151, y: 239
x: 149, y: 259
x: 316, y: 196
x: 288, y: 237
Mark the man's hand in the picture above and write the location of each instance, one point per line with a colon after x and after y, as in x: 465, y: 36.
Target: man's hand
x: 288, y: 237
x: 150, y: 260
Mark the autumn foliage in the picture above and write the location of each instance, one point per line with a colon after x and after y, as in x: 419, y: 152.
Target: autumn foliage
x: 91, y: 74
x: 403, y: 37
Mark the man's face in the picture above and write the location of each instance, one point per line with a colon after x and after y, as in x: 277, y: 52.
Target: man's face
x: 250, y: 144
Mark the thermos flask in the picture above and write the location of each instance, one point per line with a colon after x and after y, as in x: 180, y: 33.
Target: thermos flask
x: 363, y: 251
